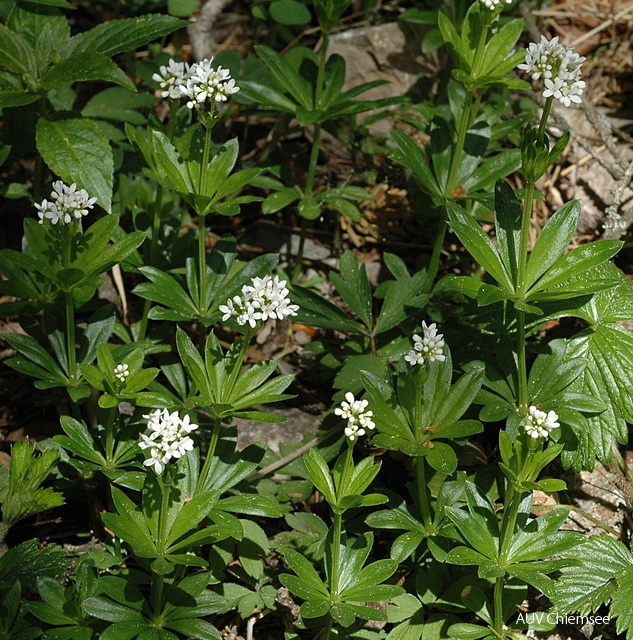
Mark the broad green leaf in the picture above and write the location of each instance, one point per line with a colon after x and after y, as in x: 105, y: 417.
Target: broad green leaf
x: 118, y: 104
x: 601, y: 561
x: 120, y: 36
x: 78, y: 151
x: 289, y: 12
x: 608, y: 350
x: 87, y: 68
x: 15, y: 52
x: 621, y: 606
x: 441, y: 457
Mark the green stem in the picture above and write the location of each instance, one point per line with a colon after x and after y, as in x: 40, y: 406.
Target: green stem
x: 202, y: 265
x: 521, y: 286
x: 109, y: 433
x: 347, y: 466
x: 425, y: 507
x: 163, y: 522
x: 153, y: 250
x: 202, y: 229
x: 434, y: 264
x: 337, y: 525
x: 450, y: 187
x: 545, y: 115
x: 456, y: 158
x: 314, y: 155
x: 70, y: 337
x: 38, y: 174
x: 215, y: 437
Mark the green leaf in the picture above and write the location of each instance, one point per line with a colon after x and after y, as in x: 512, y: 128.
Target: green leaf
x: 165, y: 290
x: 552, y: 241
x: 120, y: 36
x: 608, y: 351
x: 508, y: 226
x: 320, y: 474
x: 77, y: 150
x: 289, y: 12
x: 601, y: 561
x: 353, y: 286
x: 467, y: 631
x: 90, y: 67
x: 15, y: 52
x: 501, y: 45
x: 478, y: 245
x: 284, y: 73
x: 412, y: 157
x: 250, y: 504
x: 305, y: 571
x: 621, y: 606
x: 118, y: 104
x: 279, y: 200
x: 314, y: 310
x: 105, y: 609
x: 441, y: 457
x: 575, y: 263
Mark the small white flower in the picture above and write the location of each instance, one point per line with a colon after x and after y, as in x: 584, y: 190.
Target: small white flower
x: 538, y: 424
x: 493, y: 4
x: 67, y: 204
x: 426, y: 347
x: 172, y: 79
x: 559, y: 67
x: 206, y: 84
x: 121, y: 372
x: 264, y: 298
x: 358, y: 418
x: 167, y: 438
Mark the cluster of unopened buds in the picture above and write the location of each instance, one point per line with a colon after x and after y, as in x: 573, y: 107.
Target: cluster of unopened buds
x: 539, y: 424
x: 264, y: 298
x: 427, y: 347
x: 493, y: 4
x: 168, y: 438
x: 358, y: 418
x: 559, y: 67
x: 67, y: 203
x: 200, y: 83
x: 121, y: 372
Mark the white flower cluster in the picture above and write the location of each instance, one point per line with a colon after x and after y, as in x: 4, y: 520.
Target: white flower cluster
x: 265, y: 298
x: 121, y: 372
x: 199, y: 82
x: 358, y: 419
x: 172, y: 79
x: 206, y: 84
x: 538, y: 424
x: 66, y: 204
x: 559, y: 67
x: 428, y: 347
x: 493, y: 4
x: 168, y: 437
